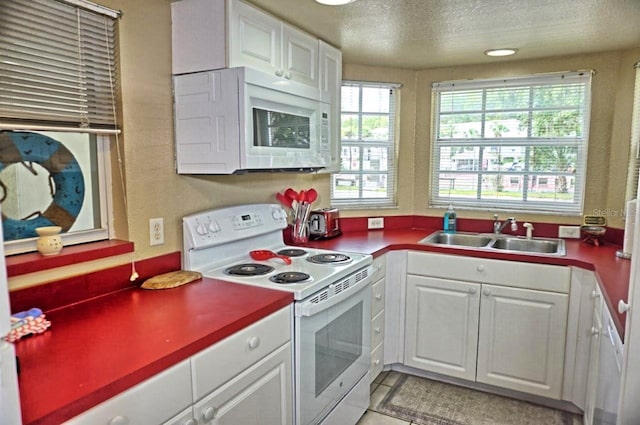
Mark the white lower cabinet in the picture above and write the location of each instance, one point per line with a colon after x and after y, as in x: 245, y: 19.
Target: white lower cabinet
x: 259, y: 395
x: 378, y: 316
x: 244, y: 379
x: 507, y: 335
x: 521, y: 339
x: 441, y: 330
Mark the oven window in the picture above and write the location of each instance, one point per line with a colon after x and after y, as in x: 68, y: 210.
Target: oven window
x: 338, y: 345
x: 280, y: 130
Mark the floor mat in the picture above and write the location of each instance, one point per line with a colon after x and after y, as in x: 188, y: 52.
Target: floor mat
x: 428, y: 402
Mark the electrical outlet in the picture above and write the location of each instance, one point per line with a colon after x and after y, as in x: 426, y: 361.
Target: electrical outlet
x: 376, y: 223
x: 569, y: 232
x: 156, y: 231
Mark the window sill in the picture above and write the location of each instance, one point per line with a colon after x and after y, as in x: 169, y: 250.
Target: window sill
x: 34, y: 262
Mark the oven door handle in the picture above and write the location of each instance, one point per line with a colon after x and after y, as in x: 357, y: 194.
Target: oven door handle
x: 311, y: 307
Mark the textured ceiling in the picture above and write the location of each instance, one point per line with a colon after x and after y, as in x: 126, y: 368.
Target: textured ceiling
x: 432, y: 33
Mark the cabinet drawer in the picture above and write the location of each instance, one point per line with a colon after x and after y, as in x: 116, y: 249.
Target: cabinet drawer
x: 377, y: 361
x: 377, y: 297
x: 508, y: 273
x: 377, y: 329
x: 153, y: 401
x: 379, y: 268
x: 214, y: 366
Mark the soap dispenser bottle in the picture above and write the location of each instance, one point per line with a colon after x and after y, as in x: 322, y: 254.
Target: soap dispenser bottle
x: 449, y: 224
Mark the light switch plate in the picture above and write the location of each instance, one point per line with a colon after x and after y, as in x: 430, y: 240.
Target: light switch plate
x: 569, y: 232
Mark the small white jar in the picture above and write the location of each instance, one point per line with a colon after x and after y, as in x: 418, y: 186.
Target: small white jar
x: 49, y: 242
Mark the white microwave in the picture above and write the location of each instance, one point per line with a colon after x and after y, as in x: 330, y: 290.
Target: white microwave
x: 237, y: 120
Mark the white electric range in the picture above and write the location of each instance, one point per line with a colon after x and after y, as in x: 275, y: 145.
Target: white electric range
x: 332, y: 292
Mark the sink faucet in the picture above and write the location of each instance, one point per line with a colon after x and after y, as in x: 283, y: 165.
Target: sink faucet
x: 499, y: 227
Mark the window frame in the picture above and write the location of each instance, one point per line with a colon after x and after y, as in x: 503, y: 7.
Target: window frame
x: 438, y: 199
x: 391, y: 145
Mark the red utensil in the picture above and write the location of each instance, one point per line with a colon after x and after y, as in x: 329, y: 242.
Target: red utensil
x: 284, y: 200
x: 302, y: 196
x: 291, y: 194
x: 312, y: 195
x: 265, y: 254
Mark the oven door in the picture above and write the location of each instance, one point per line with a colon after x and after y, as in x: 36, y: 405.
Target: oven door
x: 333, y: 349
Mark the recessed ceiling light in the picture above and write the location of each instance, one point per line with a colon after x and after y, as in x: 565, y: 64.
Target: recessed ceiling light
x: 500, y: 52
x: 334, y: 2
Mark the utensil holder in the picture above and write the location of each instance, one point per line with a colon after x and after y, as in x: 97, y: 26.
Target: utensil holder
x: 300, y: 233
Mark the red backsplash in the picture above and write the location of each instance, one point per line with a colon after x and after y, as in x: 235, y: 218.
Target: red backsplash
x: 72, y: 290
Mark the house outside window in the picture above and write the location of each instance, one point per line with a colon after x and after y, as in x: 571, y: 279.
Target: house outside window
x: 515, y: 144
x: 368, y: 143
x: 57, y: 119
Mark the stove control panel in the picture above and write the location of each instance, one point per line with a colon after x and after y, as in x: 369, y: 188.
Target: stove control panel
x: 216, y: 227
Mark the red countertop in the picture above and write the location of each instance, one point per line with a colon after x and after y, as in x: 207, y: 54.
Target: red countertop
x: 612, y: 272
x: 97, y: 349
x: 101, y: 347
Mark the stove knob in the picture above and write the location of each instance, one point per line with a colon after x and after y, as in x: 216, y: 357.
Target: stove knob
x: 201, y: 229
x: 277, y: 214
x: 214, y: 226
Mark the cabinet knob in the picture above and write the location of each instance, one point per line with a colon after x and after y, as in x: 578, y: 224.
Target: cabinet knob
x: 376, y: 362
x: 209, y: 413
x: 480, y: 268
x: 595, y: 332
x: 486, y: 292
x: 595, y: 295
x: 623, y: 307
x: 119, y: 420
x: 377, y: 329
x: 378, y: 297
x: 254, y: 343
x: 472, y: 291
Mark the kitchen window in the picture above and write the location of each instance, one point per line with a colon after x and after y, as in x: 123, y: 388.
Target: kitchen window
x: 368, y: 156
x: 515, y: 144
x: 57, y: 118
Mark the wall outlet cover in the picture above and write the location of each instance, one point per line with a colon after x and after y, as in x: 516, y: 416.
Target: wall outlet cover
x: 376, y: 223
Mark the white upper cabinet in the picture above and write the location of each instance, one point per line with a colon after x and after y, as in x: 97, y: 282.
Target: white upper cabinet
x: 214, y: 34
x: 330, y: 75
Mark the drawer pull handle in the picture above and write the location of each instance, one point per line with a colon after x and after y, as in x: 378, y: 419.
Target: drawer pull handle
x: 472, y: 291
x: 119, y: 420
x: 254, y: 343
x: 595, y: 295
x: 378, y: 297
x: 486, y: 292
x: 480, y: 268
x: 623, y: 307
x: 209, y: 414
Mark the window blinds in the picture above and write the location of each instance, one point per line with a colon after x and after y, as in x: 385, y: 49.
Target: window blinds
x: 634, y: 151
x: 57, y: 65
x: 516, y: 143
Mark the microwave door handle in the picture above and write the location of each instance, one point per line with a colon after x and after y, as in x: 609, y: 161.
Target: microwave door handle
x: 308, y: 308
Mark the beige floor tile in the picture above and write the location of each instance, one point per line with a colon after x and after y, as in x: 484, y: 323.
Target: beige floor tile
x: 374, y: 418
x: 391, y: 378
x: 381, y: 377
x: 377, y: 396
x: 372, y: 388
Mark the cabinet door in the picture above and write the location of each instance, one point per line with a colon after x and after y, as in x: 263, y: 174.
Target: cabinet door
x: 522, y: 339
x: 300, y: 56
x: 441, y: 331
x: 255, y: 39
x: 330, y: 87
x: 260, y: 395
x: 594, y: 357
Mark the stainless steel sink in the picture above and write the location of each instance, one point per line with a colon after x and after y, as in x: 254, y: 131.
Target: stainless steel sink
x: 537, y: 245
x: 497, y: 242
x: 458, y: 239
